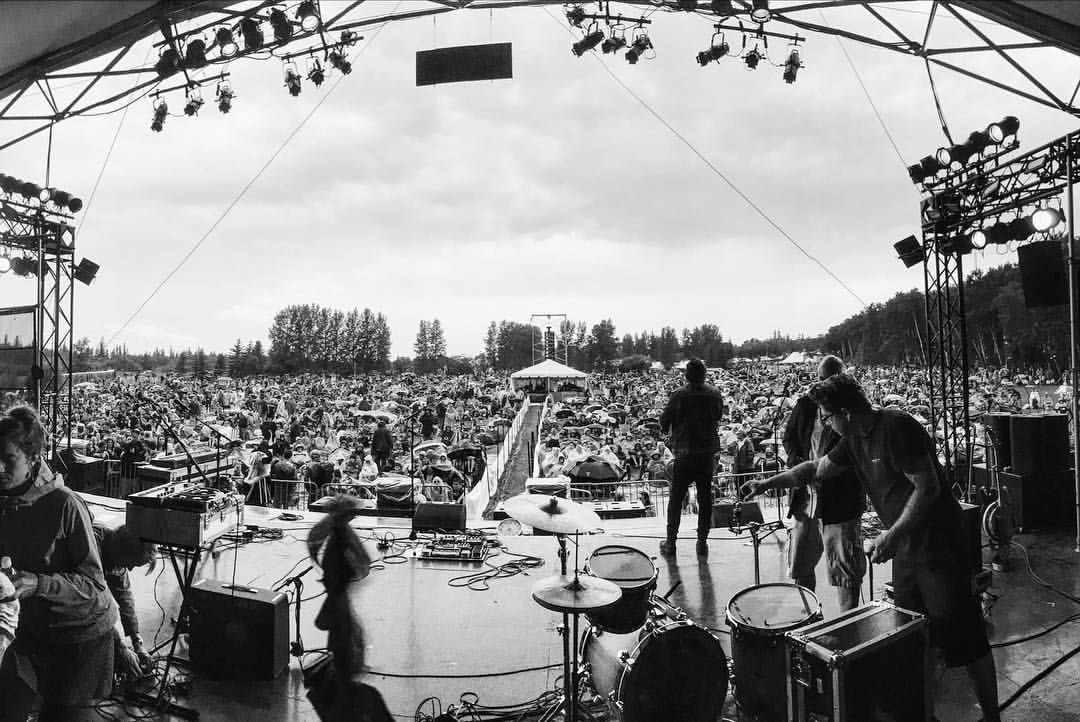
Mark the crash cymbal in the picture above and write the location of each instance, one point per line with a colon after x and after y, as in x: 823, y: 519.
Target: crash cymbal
x: 562, y: 593
x: 550, y: 513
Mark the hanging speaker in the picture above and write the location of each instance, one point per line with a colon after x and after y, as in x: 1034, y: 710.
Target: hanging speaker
x: 463, y: 63
x: 1043, y: 274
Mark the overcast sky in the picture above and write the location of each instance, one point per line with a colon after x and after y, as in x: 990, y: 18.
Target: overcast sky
x: 554, y: 192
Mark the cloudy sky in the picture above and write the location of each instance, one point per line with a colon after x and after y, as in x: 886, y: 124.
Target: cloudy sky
x: 577, y: 187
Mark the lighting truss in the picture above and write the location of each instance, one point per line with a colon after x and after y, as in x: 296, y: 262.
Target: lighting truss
x: 49, y: 237
x: 97, y: 74
x: 996, y: 186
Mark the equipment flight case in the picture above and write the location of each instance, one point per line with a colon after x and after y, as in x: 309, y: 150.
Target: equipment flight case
x: 867, y: 665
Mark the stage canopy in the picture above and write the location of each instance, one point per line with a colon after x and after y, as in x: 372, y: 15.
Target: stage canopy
x: 74, y: 57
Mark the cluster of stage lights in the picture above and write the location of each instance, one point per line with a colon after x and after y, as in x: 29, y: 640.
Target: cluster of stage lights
x: 957, y: 156
x: 253, y: 39
x: 1021, y: 228
x: 60, y: 200
x: 642, y: 45
x: 19, y: 265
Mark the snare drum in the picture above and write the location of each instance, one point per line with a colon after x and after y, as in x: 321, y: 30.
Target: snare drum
x: 759, y: 617
x: 635, y: 574
x: 672, y: 671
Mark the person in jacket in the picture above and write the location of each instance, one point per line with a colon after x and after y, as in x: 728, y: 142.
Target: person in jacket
x: 122, y: 551
x: 691, y: 415
x: 62, y: 656
x: 382, y: 445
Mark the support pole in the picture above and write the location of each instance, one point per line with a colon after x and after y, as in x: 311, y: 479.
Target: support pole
x: 1074, y: 326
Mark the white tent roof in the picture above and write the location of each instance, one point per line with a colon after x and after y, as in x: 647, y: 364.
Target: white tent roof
x: 796, y: 357
x: 549, y: 369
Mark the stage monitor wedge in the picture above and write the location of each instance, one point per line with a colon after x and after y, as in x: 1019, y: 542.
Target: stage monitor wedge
x: 463, y: 63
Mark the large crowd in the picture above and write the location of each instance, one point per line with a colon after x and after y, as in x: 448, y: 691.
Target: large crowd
x: 436, y: 428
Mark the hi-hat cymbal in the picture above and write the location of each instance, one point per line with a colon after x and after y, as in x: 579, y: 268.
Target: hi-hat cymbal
x: 550, y: 513
x: 562, y: 593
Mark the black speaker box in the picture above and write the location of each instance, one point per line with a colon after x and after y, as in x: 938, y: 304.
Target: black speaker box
x: 1038, y: 442
x: 438, y: 515
x: 238, y: 632
x: 493, y: 61
x: 1036, y: 501
x: 1043, y: 274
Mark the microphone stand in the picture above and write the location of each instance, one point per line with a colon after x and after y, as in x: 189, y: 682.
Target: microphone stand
x: 218, y: 436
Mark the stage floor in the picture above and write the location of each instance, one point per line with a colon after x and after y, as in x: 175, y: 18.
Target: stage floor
x: 427, y: 638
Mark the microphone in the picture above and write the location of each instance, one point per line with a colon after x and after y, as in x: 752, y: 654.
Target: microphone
x: 294, y: 579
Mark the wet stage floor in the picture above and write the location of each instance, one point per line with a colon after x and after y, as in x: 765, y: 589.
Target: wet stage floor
x: 428, y: 637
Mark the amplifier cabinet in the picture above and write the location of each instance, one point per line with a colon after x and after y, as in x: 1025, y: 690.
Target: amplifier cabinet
x: 867, y: 665
x: 238, y: 632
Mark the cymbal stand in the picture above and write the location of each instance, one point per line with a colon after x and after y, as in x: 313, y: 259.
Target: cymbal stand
x: 568, y: 700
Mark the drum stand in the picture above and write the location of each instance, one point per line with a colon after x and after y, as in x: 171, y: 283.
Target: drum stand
x: 758, y: 533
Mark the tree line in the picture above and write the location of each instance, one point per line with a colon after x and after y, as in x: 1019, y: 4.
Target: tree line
x: 312, y: 338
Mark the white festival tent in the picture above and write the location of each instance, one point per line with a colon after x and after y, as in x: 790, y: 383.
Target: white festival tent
x: 550, y: 375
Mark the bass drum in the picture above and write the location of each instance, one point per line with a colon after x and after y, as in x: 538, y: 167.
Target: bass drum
x: 675, y: 671
x: 759, y: 617
x: 635, y: 574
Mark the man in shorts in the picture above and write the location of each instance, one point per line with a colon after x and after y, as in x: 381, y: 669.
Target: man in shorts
x: 896, y: 463
x: 833, y: 525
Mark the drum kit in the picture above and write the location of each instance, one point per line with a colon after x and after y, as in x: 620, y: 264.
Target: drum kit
x: 641, y: 655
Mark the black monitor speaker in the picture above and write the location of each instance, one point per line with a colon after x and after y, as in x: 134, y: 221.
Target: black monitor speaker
x: 238, y: 632
x: 1043, y: 274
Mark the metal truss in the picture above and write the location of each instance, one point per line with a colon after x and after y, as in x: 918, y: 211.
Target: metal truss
x: 539, y: 347
x: 59, y: 85
x: 49, y: 240
x: 999, y: 187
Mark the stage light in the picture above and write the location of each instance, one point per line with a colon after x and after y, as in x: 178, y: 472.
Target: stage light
x: 5, y: 263
x: 86, y: 271
x: 944, y: 157
x: 639, y: 47
x: 752, y: 58
x: 308, y: 16
x: 916, y: 173
x: 958, y: 244
x: 45, y: 194
x: 292, y: 79
x: 339, y: 61
x: 283, y: 29
x: 29, y: 190
x: 722, y: 7
x: 22, y: 266
x: 7, y: 183
x: 999, y: 233
x: 688, y: 5
x: 910, y: 251
x: 791, y: 66
x: 161, y: 111
x: 575, y: 16
x: 195, y: 53
x: 60, y: 198
x: 587, y: 43
x: 194, y: 102
x: 253, y: 34
x: 75, y: 205
x: 1043, y: 219
x: 715, y: 52
x: 977, y: 142
x: 978, y: 239
x: 316, y: 74
x: 226, y: 43
x: 1020, y: 228
x: 349, y: 37
x: 760, y: 12
x: 168, y: 63
x: 225, y: 96
x: 613, y: 44
x: 930, y: 165
x: 999, y: 131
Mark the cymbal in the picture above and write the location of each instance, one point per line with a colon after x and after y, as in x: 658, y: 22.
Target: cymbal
x: 562, y: 593
x: 550, y: 513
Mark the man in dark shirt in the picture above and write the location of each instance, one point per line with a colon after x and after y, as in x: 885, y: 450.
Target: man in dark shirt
x: 833, y: 525
x: 896, y: 463
x: 691, y: 415
x: 382, y: 445
x: 427, y: 424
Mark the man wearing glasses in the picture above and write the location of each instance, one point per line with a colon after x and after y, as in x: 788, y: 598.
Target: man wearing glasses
x: 896, y: 462
x: 833, y: 525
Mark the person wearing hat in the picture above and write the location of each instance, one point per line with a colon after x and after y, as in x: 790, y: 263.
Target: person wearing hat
x: 691, y: 415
